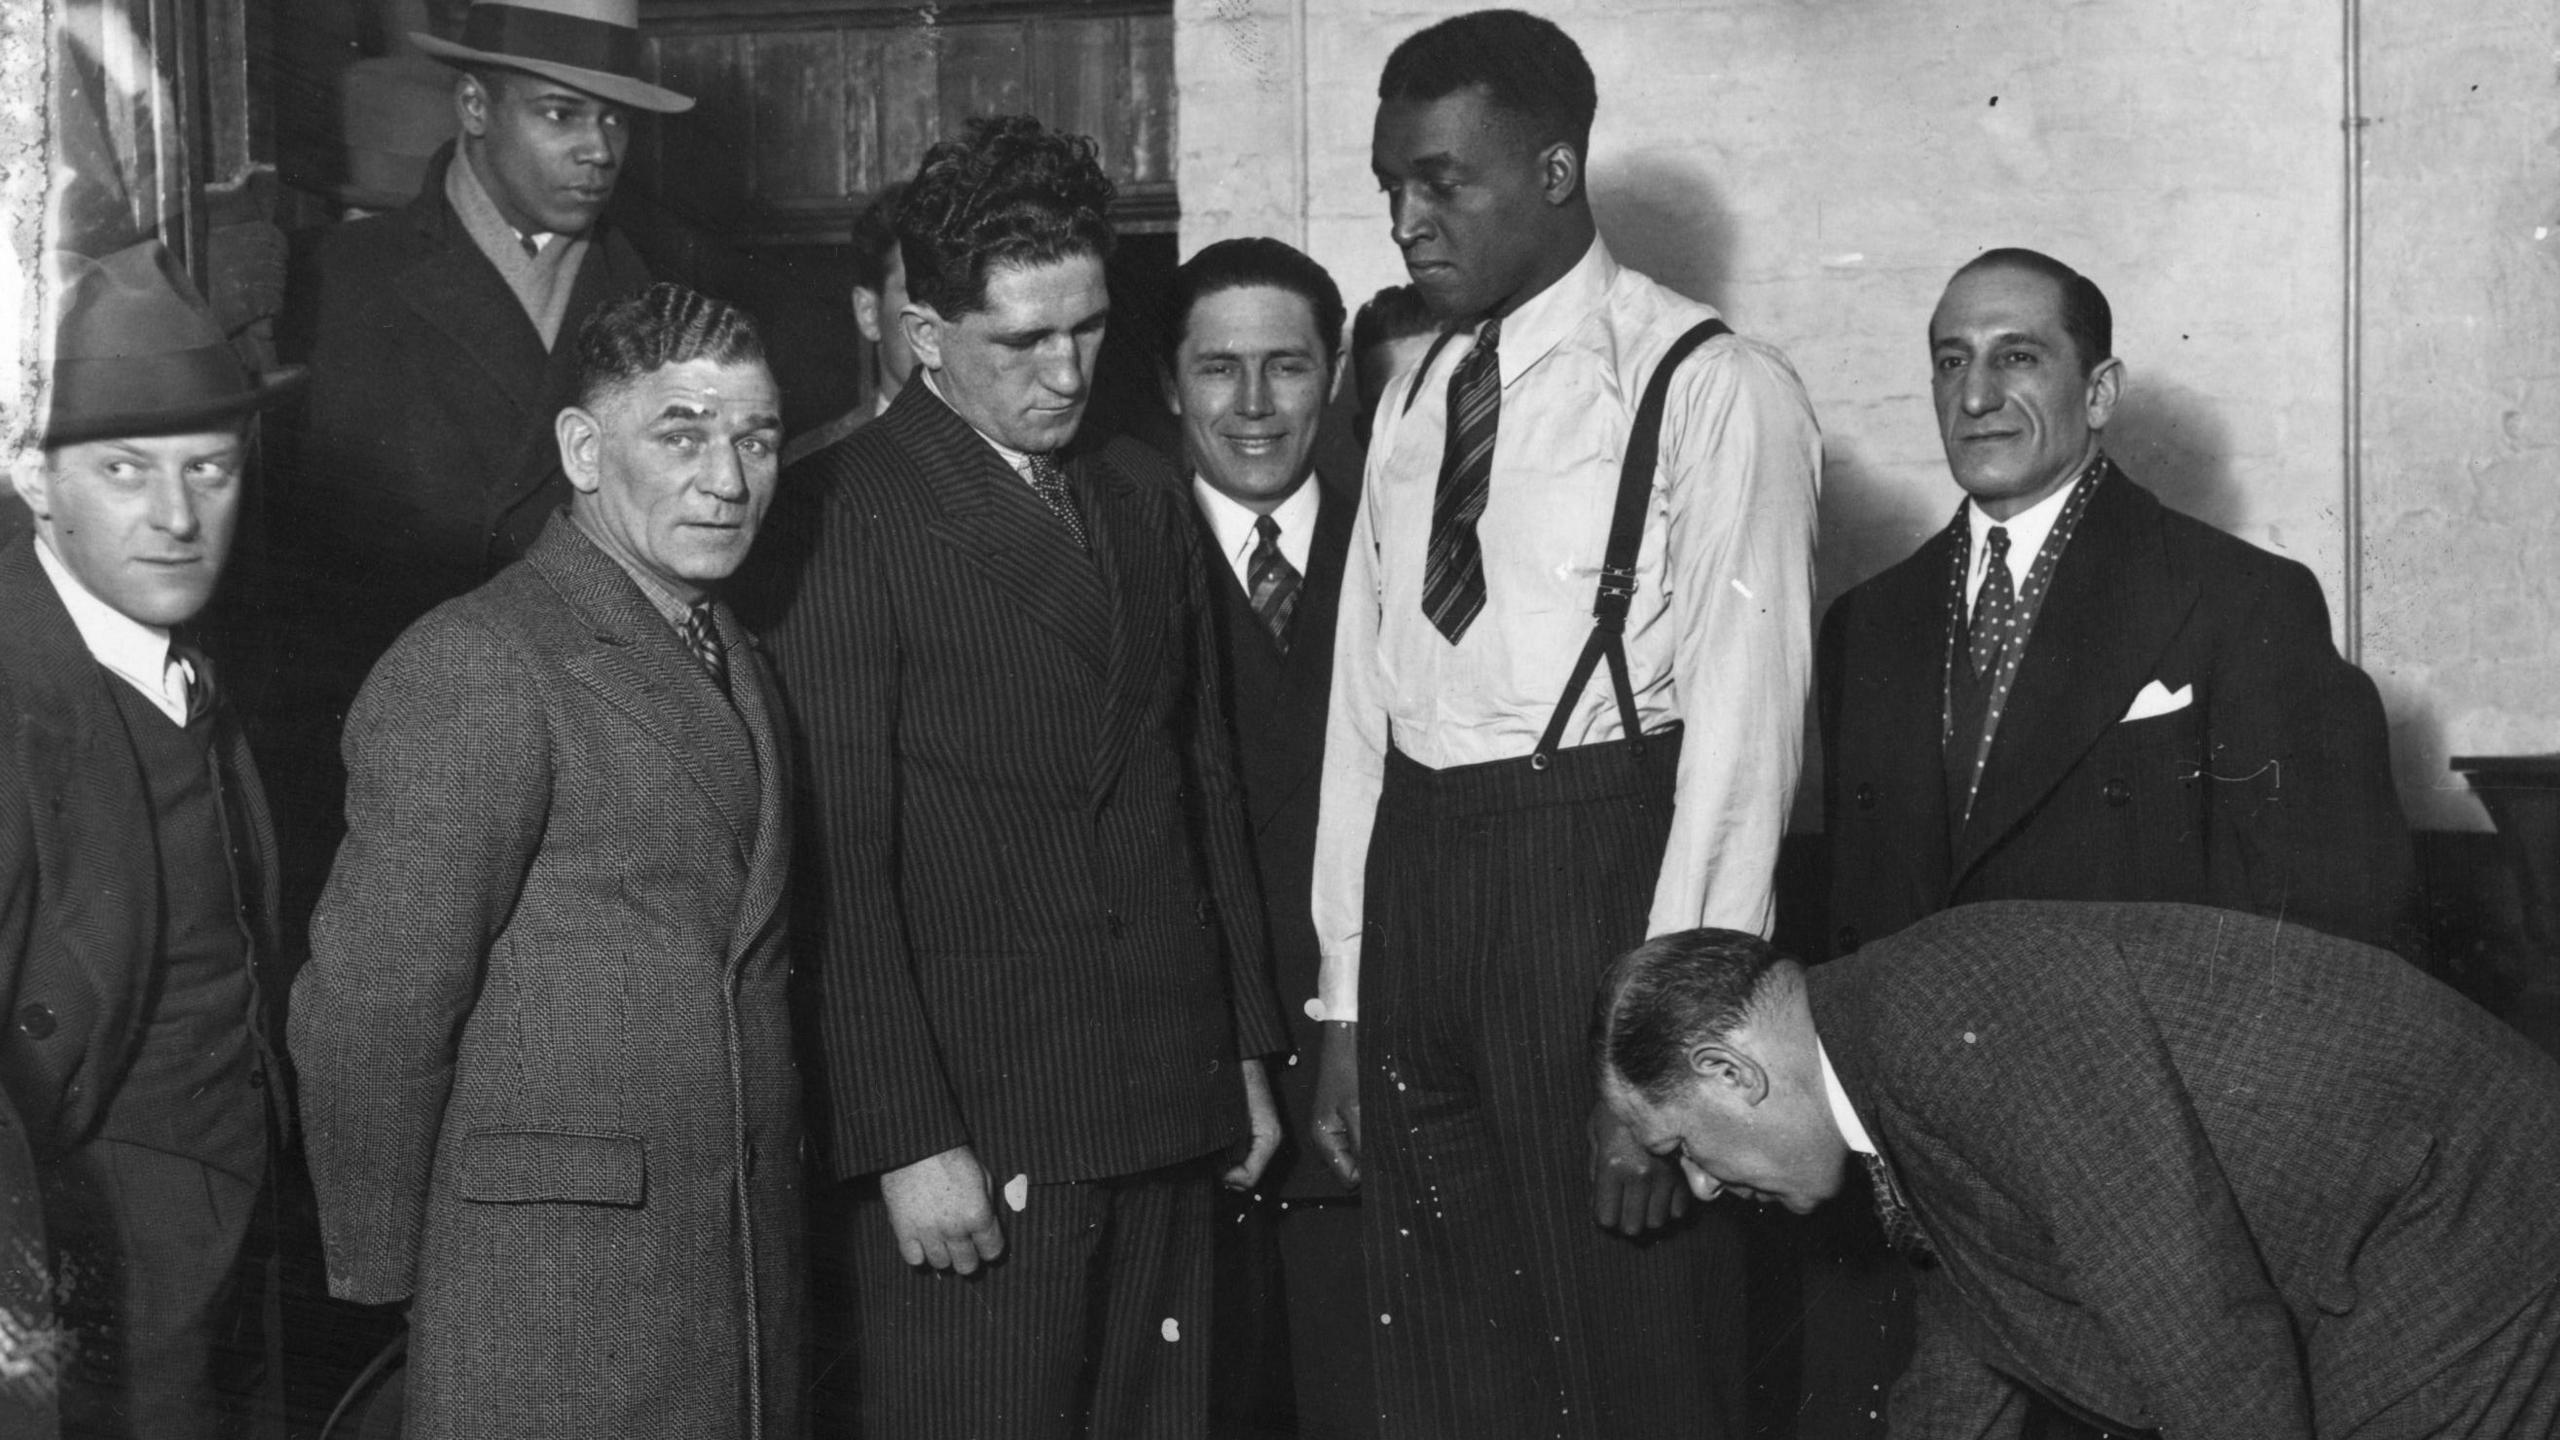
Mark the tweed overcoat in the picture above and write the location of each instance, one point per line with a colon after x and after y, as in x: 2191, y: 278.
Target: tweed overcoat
x: 79, y: 923
x: 2271, y: 791
x: 544, y: 1042
x: 2192, y: 1170
x: 1026, y: 893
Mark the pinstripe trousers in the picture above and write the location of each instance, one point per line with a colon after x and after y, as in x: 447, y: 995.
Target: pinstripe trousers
x: 1496, y: 893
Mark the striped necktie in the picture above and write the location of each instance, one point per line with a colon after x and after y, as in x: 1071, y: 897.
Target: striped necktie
x: 1453, y: 574
x: 1275, y: 582
x: 701, y: 632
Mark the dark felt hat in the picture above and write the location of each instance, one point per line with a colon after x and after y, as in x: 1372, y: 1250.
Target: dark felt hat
x: 136, y: 352
x: 590, y: 45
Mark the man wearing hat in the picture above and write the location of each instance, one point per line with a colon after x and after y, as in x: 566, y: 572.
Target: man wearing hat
x: 436, y: 336
x: 136, y: 875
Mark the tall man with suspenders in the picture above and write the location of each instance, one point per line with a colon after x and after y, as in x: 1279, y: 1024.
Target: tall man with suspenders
x: 1493, y: 821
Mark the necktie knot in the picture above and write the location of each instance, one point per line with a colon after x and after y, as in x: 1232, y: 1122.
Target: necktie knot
x: 1997, y: 544
x: 701, y: 634
x: 1049, y: 481
x: 191, y: 675
x: 1901, y: 1227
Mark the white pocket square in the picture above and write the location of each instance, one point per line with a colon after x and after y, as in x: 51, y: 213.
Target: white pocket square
x: 2159, y: 699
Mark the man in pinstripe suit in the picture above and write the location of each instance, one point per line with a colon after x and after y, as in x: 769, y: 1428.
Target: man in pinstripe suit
x: 1033, y: 932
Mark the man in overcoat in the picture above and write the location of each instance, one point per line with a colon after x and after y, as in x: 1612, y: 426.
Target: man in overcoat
x: 2165, y: 1169
x: 137, y: 873
x: 1031, y: 923
x: 544, y: 1044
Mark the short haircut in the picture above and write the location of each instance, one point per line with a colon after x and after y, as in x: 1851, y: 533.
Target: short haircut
x: 663, y: 325
x: 1528, y: 67
x: 2086, y: 317
x: 1392, y: 314
x: 1668, y: 994
x: 1009, y: 191
x: 875, y: 238
x: 1243, y: 264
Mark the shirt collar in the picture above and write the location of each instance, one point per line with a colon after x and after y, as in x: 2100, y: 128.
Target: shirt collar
x: 116, y: 640
x: 481, y: 215
x: 2027, y: 529
x: 1232, y: 521
x: 1020, y: 460
x: 671, y: 607
x: 1843, y: 1114
x: 1546, y: 318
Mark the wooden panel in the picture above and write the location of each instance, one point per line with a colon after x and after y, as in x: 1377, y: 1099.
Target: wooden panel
x: 1151, y: 113
x: 983, y: 72
x: 799, y: 105
x: 1080, y: 82
x: 670, y: 16
x: 910, y: 108
x: 699, y: 171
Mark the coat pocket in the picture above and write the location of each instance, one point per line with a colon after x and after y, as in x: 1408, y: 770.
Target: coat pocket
x: 554, y: 1167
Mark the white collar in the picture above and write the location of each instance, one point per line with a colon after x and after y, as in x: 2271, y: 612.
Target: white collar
x: 2027, y: 529
x: 1843, y: 1114
x: 1232, y: 521
x: 1020, y: 460
x: 1546, y: 318
x: 134, y: 652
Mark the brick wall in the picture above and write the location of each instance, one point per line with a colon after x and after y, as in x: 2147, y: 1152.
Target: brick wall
x: 1817, y: 169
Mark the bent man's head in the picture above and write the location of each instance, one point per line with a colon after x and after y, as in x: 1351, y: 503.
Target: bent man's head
x: 675, y: 442
x: 1702, y: 1044
x: 2021, y: 369
x: 1004, y: 232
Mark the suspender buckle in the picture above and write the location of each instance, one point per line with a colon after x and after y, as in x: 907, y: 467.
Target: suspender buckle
x: 1618, y: 582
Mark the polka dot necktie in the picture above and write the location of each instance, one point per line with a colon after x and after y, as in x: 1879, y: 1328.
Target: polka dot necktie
x: 701, y: 632
x: 1049, y: 481
x: 1453, y: 572
x: 1901, y: 1227
x: 1275, y: 582
x: 1995, y: 609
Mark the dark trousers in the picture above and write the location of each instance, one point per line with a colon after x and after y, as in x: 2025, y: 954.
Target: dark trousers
x: 145, y: 1248
x: 1292, y: 1352
x: 1496, y: 893
x: 1095, y: 1322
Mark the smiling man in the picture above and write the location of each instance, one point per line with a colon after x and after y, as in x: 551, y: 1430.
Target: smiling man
x: 544, y: 1042
x: 1034, y: 938
x: 2165, y: 1170
x: 1496, y: 819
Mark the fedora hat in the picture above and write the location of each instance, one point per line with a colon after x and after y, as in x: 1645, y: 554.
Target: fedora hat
x: 591, y: 45
x: 136, y: 352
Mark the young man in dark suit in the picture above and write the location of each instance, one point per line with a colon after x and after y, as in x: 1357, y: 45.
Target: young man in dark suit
x: 1253, y: 337
x: 2168, y: 1169
x: 1032, y: 928
x: 544, y: 1038
x: 137, y: 866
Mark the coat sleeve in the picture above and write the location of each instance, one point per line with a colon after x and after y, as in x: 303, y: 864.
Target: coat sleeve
x: 2063, y: 1089
x: 448, y: 788
x: 884, y: 1101
x: 2302, y: 783
x: 1946, y: 1392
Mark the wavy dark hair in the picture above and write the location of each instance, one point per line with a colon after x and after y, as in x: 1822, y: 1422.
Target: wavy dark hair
x: 875, y: 238
x: 1243, y: 264
x: 1009, y: 191
x: 2086, y: 316
x: 666, y: 324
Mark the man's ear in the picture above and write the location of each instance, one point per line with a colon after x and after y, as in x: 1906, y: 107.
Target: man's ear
x: 471, y: 105
x: 2106, y: 386
x: 1732, y: 1075
x: 866, y: 313
x: 923, y: 325
x: 1172, y: 392
x: 1335, y: 369
x: 581, y: 438
x: 1559, y: 172
x: 32, y: 478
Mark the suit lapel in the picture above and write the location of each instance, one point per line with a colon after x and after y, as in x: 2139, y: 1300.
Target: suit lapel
x: 770, y: 863
x: 1306, y: 672
x: 997, y: 527
x: 1898, y: 668
x: 455, y: 290
x: 640, y: 668
x: 1143, y: 596
x: 2113, y: 609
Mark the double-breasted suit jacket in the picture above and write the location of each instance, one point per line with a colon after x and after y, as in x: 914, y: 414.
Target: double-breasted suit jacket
x: 80, y: 927
x: 1276, y: 704
x: 2270, y: 791
x: 2195, y: 1171
x: 423, y: 458
x: 1026, y: 898
x: 544, y: 1037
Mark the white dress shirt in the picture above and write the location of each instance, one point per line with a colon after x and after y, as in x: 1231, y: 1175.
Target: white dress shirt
x: 1233, y: 523
x: 133, y: 652
x: 2028, y: 530
x: 1843, y: 1114
x: 1719, y: 635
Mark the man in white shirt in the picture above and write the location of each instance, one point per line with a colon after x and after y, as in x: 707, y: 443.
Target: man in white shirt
x: 137, y: 865
x: 1252, y: 353
x: 1492, y: 826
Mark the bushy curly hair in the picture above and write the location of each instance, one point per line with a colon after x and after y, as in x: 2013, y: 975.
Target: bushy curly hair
x: 1008, y: 191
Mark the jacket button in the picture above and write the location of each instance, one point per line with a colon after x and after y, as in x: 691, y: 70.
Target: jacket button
x: 1203, y: 911
x: 2118, y: 793
x: 1847, y: 939
x: 35, y: 1021
x: 1866, y: 797
x: 1112, y: 922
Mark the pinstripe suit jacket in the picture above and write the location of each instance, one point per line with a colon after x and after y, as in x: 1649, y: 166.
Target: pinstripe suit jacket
x: 1026, y: 898
x: 2188, y: 1169
x: 543, y: 1036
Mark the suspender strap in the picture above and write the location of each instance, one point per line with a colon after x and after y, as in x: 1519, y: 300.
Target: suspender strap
x: 1618, y: 563
x: 1413, y: 392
